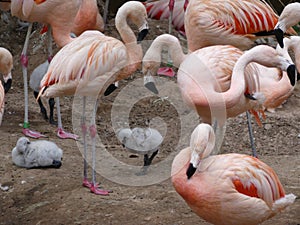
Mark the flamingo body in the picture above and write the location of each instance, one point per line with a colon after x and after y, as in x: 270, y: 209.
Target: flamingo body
x: 232, y: 22
x: 78, y: 65
x: 49, y: 12
x: 6, y: 65
x: 88, y: 18
x: 90, y: 63
x: 228, y: 188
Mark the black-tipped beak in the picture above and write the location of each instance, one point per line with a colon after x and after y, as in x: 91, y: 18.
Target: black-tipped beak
x: 150, y: 84
x: 279, y: 36
x: 110, y: 89
x: 56, y: 164
x: 190, y: 171
x: 7, y: 85
x: 292, y: 74
x: 247, y: 95
x: 142, y: 34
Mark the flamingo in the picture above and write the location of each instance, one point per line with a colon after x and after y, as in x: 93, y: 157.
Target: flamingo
x: 227, y: 188
x: 60, y: 15
x: 6, y: 65
x: 91, y: 62
x: 212, y: 79
x: 63, y: 17
x: 290, y: 16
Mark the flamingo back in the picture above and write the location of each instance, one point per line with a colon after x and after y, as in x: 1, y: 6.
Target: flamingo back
x: 228, y: 183
x: 86, y: 64
x: 217, y: 22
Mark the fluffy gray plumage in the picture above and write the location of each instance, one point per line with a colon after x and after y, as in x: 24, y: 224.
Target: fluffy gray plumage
x: 39, y: 153
x: 140, y: 140
x: 37, y: 75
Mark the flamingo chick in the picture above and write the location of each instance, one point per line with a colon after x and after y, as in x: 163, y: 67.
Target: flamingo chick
x: 34, y: 83
x: 228, y: 188
x: 40, y: 153
x: 143, y: 141
x: 93, y: 61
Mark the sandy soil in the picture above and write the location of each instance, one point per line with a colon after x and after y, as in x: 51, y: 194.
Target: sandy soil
x: 56, y: 196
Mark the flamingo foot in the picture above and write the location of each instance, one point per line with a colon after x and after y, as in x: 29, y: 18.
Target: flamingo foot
x: 88, y: 184
x: 166, y: 71
x: 64, y: 135
x: 32, y: 134
x: 94, y: 189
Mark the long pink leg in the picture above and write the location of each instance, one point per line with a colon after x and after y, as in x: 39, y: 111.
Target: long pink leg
x: 60, y: 131
x: 85, y: 182
x: 24, y: 63
x: 168, y: 71
x: 93, y: 131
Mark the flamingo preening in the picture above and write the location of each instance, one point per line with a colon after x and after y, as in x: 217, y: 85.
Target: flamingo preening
x: 93, y: 61
x: 218, y: 82
x: 227, y: 188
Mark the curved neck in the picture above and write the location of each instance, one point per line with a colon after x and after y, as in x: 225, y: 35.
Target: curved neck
x: 168, y: 42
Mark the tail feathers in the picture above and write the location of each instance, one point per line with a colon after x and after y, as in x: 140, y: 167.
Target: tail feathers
x: 284, y: 202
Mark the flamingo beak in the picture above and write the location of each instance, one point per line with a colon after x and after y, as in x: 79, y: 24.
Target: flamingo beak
x: 279, y: 36
x: 143, y: 31
x: 150, y: 83
x: 7, y: 85
x: 190, y: 171
x: 292, y: 74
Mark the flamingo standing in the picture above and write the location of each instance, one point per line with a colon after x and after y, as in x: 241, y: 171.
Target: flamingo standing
x: 228, y: 188
x: 290, y: 16
x: 6, y: 65
x: 91, y: 62
x: 212, y: 79
x: 63, y: 17
x: 60, y: 15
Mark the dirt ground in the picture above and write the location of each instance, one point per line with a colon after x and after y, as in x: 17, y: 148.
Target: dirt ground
x: 56, y: 196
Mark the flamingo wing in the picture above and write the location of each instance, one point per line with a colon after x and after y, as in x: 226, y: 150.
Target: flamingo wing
x: 256, y: 179
x: 90, y: 57
x: 237, y: 17
x: 159, y: 10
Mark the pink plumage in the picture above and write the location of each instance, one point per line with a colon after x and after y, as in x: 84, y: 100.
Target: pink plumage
x: 228, y: 188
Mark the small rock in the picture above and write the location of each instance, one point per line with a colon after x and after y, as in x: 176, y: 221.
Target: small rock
x: 268, y: 126
x: 298, y: 135
x: 4, y: 188
x: 23, y: 182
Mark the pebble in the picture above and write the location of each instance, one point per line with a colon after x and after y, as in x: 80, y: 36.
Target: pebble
x: 4, y: 188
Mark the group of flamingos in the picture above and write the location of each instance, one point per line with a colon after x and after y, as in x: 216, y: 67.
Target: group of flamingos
x: 217, y: 77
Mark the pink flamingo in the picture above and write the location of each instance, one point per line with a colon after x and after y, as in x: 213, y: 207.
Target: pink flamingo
x: 227, y: 188
x: 6, y: 65
x: 63, y: 17
x: 212, y: 79
x: 93, y: 61
x: 289, y: 17
x: 60, y: 15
